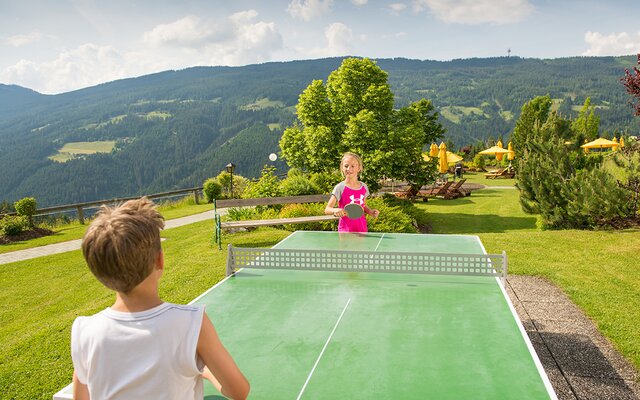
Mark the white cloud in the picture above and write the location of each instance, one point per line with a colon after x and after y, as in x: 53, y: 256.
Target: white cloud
x: 396, y: 8
x: 237, y: 40
x: 21, y: 40
x: 189, y: 31
x: 614, y: 44
x: 339, y: 41
x: 83, y: 66
x: 309, y: 9
x: 396, y: 35
x: 359, y: 2
x: 475, y: 12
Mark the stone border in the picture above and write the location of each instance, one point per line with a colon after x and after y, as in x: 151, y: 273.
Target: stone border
x: 580, y: 363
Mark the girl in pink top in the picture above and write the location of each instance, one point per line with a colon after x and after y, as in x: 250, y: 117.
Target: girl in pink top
x: 351, y: 190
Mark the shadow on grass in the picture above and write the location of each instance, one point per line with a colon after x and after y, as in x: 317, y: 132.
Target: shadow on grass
x: 460, y: 223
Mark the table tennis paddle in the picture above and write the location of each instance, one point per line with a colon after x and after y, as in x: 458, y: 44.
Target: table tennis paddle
x: 353, y: 210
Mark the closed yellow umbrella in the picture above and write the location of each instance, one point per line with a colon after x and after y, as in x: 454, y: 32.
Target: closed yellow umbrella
x: 433, y: 152
x: 615, y: 139
x: 621, y: 141
x: 443, y: 167
x: 499, y: 155
x: 512, y: 154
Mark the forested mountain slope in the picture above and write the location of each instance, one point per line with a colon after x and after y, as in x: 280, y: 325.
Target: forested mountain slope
x: 174, y: 129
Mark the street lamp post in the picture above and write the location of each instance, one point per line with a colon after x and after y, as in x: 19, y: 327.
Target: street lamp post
x: 230, y: 168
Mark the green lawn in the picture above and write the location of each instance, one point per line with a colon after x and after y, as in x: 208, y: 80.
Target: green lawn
x: 71, y: 150
x: 41, y: 297
x: 598, y: 270
x: 478, y: 177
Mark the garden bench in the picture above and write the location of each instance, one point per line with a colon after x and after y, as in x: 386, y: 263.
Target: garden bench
x: 266, y: 201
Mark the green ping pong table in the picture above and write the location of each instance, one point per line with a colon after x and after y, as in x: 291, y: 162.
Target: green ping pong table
x: 376, y: 329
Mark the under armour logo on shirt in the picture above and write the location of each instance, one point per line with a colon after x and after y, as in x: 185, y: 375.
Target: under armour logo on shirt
x: 357, y: 201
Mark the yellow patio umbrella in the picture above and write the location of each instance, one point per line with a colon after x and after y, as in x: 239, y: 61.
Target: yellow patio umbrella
x: 443, y: 167
x: 433, y: 151
x: 451, y: 157
x: 600, y: 143
x: 615, y: 139
x: 512, y: 154
x: 494, y: 151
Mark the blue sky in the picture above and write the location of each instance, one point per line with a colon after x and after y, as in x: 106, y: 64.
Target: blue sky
x: 63, y: 45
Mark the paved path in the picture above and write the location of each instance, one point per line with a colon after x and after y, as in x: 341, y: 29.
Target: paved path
x: 71, y: 245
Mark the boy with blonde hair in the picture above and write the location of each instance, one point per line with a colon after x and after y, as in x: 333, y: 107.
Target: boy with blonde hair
x: 142, y: 347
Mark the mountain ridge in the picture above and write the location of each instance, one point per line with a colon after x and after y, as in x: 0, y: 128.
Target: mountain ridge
x: 170, y: 127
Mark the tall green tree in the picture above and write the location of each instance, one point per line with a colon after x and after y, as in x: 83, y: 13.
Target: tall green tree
x: 354, y: 112
x: 557, y: 184
x: 586, y: 126
x: 534, y: 114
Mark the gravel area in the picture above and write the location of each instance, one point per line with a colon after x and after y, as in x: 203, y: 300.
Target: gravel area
x: 580, y: 363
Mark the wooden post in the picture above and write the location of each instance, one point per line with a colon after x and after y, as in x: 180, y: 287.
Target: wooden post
x: 80, y: 215
x: 195, y: 195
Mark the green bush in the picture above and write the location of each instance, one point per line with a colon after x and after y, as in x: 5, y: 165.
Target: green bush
x: 325, y: 181
x: 212, y: 189
x: 306, y: 210
x: 14, y: 225
x: 479, y: 162
x: 267, y: 186
x: 243, y: 213
x: 26, y: 207
x: 392, y: 218
x: 240, y: 184
x: 298, y: 185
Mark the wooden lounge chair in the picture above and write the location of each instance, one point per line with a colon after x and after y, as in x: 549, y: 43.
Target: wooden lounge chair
x: 439, y: 191
x: 501, y: 173
x: 457, y: 190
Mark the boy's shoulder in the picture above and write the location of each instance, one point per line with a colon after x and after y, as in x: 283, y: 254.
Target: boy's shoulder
x: 111, y: 314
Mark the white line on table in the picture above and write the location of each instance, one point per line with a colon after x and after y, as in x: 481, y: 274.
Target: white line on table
x: 323, y: 349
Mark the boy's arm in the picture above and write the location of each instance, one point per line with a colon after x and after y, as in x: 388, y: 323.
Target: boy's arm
x: 228, y: 378
x: 80, y: 390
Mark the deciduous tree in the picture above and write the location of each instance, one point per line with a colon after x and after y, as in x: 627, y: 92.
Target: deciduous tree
x: 354, y: 112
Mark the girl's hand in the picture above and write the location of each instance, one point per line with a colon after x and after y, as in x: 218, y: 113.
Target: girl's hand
x: 340, y: 213
x: 375, y: 212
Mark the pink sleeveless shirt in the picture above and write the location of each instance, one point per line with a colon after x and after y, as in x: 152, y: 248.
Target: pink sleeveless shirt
x: 346, y: 195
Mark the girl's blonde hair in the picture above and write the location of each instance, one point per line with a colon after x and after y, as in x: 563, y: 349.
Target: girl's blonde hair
x: 354, y: 156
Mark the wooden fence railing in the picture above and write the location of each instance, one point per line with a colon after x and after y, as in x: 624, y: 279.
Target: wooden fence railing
x: 79, y: 207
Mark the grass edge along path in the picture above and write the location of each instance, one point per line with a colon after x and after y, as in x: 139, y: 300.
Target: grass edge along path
x: 75, y: 230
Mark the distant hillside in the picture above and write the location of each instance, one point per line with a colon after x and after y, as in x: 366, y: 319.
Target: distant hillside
x: 176, y: 128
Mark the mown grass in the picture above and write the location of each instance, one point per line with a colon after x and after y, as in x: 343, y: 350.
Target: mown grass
x: 40, y: 298
x: 478, y: 177
x: 598, y: 270
x: 74, y: 230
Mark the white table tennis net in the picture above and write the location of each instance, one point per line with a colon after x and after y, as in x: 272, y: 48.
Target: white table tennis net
x: 366, y: 261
